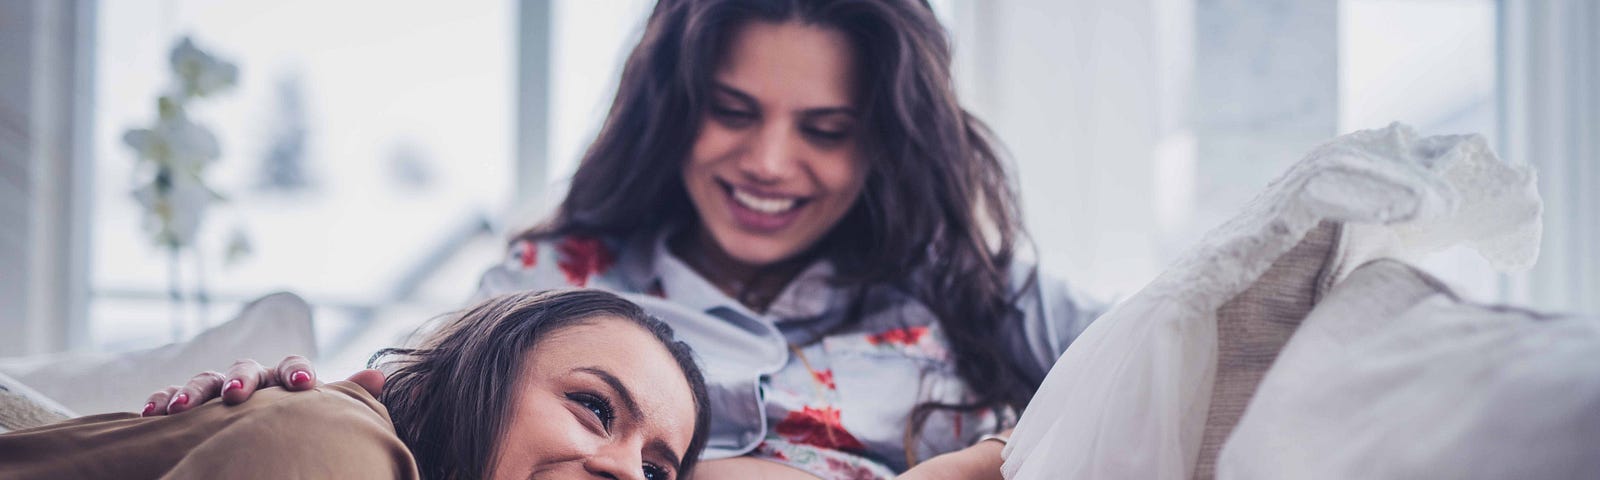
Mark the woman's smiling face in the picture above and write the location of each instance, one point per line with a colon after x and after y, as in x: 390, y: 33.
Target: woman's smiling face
x: 599, y: 399
x: 777, y: 164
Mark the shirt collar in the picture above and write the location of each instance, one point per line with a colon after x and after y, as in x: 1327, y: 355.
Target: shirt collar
x: 809, y: 295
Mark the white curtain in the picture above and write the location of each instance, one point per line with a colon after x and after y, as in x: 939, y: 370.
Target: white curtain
x: 44, y: 73
x: 1550, y: 72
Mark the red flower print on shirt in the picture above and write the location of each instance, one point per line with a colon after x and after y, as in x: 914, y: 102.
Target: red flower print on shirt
x: 903, y: 336
x: 526, y: 253
x: 824, y: 377
x: 773, y: 452
x: 582, y: 257
x: 819, y: 427
x: 843, y: 470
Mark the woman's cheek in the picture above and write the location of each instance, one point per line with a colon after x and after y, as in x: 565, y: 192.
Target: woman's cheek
x: 542, y: 434
x: 846, y: 176
x: 714, y: 142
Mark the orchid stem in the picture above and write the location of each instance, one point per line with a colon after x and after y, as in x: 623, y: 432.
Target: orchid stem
x: 175, y: 293
x: 202, y: 300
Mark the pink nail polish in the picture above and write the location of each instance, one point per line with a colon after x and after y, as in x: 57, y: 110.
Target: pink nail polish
x: 181, y: 400
x: 149, y: 408
x: 300, y: 377
x: 233, y: 385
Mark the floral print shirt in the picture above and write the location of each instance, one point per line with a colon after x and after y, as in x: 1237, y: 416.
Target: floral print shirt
x: 786, y: 385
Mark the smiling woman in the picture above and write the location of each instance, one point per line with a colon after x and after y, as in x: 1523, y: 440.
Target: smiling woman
x: 564, y: 384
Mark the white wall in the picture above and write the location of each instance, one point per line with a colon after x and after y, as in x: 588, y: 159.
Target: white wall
x: 1090, y: 99
x: 1266, y: 83
x: 1137, y: 125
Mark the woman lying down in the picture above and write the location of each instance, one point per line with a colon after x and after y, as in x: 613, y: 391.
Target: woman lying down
x: 560, y: 384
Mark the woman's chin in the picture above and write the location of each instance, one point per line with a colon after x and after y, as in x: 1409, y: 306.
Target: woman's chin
x: 760, y: 250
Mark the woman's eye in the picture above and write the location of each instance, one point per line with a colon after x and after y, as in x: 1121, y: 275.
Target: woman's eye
x: 827, y: 136
x: 600, y: 407
x: 652, y: 472
x: 732, y: 117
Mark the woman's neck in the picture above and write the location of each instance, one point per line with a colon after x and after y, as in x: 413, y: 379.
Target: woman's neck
x: 754, y: 286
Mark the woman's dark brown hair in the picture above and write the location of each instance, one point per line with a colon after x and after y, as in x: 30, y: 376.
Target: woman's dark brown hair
x: 450, y: 398
x: 938, y: 217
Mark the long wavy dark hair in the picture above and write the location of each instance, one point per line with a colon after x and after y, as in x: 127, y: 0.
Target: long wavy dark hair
x: 450, y: 398
x: 938, y: 216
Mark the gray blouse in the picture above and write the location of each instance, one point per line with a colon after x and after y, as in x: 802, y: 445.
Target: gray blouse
x: 788, y: 386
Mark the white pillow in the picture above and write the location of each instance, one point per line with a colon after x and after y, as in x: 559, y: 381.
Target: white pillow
x: 266, y: 329
x: 1393, y: 376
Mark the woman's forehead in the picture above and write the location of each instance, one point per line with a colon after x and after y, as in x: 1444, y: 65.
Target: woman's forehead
x: 790, y: 64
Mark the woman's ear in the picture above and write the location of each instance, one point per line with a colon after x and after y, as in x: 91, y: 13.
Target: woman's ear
x: 369, y: 379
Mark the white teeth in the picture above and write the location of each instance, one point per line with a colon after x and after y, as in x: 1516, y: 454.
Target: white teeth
x: 764, y: 205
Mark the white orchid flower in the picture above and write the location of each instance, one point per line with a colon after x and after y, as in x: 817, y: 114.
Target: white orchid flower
x: 199, y: 73
x: 175, y: 142
x: 175, y: 207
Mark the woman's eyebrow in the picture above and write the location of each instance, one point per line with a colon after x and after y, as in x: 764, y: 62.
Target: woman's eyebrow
x: 662, y: 450
x: 734, y: 92
x: 616, y: 385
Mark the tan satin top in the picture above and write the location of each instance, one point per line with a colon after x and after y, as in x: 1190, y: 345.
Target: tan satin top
x: 337, y: 430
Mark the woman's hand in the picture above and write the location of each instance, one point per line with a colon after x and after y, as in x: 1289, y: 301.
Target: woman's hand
x: 980, y: 461
x: 243, y: 379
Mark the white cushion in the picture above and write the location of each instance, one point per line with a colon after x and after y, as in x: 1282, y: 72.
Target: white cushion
x: 266, y: 329
x: 1393, y: 376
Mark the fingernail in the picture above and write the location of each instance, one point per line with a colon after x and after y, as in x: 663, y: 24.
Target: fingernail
x: 233, y: 385
x: 300, y: 377
x: 149, y: 408
x: 178, y: 401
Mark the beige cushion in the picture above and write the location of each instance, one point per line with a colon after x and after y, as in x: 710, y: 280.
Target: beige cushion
x: 1253, y: 327
x: 268, y: 329
x: 22, y: 407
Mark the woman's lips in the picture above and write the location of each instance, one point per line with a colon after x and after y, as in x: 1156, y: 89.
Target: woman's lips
x: 762, y: 213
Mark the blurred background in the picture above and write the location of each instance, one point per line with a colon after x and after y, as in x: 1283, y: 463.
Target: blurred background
x: 372, y: 156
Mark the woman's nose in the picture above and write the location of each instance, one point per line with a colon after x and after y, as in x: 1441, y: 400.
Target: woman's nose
x: 774, y: 155
x: 617, y: 460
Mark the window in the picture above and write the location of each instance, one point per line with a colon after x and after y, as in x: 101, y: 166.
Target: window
x: 589, y: 42
x: 364, y: 140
